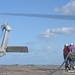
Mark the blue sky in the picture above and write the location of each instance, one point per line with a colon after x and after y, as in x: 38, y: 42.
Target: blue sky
x: 44, y: 37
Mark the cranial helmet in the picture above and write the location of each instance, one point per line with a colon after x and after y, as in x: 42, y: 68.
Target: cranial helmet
x: 72, y: 44
x: 66, y: 44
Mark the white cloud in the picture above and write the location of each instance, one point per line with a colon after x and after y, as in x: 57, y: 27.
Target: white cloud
x: 47, y: 34
x: 47, y: 49
x: 29, y: 43
x: 68, y: 9
x: 51, y: 33
x: 63, y: 30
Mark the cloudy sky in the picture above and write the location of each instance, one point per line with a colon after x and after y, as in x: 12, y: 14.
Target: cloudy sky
x: 44, y: 37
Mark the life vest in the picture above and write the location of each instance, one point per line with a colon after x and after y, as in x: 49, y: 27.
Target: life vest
x: 66, y: 49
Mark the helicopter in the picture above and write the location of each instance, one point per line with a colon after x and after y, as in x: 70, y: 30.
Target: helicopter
x: 4, y: 48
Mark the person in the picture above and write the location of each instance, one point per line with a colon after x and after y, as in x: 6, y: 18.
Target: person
x: 65, y: 53
x: 72, y: 55
x: 72, y: 48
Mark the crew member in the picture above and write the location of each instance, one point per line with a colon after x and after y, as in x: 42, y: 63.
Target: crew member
x: 65, y: 53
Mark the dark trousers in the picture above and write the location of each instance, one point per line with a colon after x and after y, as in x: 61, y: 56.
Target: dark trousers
x: 66, y: 61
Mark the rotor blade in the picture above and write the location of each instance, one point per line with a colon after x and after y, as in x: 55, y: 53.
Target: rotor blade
x: 69, y: 17
x: 17, y: 49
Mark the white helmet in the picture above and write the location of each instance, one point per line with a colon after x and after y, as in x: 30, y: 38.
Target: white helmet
x: 66, y: 44
x: 72, y: 44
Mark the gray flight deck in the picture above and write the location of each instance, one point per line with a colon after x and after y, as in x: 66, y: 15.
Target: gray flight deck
x: 33, y: 70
